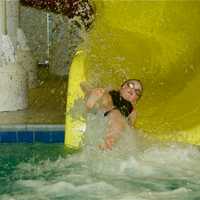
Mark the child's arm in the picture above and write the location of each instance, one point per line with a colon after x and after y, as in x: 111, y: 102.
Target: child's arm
x: 132, y: 119
x: 93, y: 97
x: 86, y: 88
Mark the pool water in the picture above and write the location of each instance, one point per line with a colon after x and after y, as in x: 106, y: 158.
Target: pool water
x: 136, y: 169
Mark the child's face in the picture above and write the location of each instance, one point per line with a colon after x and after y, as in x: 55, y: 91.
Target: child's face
x: 131, y: 91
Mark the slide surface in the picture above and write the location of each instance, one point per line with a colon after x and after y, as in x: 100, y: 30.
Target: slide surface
x: 75, y: 125
x: 157, y: 42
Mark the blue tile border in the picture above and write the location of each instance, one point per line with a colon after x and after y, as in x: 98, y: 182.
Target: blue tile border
x: 42, y: 136
x: 32, y: 133
x: 25, y: 136
x: 57, y: 137
x: 8, y: 137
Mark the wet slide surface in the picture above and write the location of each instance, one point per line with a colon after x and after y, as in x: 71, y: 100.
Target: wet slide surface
x: 157, y: 42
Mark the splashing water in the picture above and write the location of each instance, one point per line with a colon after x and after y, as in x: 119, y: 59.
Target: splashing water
x: 137, y: 169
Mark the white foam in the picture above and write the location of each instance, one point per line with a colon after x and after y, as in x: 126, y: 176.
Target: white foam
x: 156, y: 172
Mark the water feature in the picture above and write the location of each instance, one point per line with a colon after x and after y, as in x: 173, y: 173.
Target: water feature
x: 138, y: 168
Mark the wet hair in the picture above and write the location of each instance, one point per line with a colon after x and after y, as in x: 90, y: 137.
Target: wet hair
x: 134, y: 80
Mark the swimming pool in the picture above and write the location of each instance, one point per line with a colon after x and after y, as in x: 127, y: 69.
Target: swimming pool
x: 49, y: 171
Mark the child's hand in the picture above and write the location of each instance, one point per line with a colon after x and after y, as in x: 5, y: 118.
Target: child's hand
x: 104, y: 147
x: 108, y: 143
x: 98, y: 92
x: 94, y: 96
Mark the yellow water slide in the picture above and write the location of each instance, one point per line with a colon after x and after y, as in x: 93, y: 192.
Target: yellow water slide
x: 157, y: 42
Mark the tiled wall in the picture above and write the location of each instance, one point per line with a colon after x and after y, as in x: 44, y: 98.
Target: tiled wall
x: 32, y: 133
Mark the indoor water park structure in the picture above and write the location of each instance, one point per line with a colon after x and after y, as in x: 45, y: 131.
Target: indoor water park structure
x: 49, y: 143
x: 154, y: 42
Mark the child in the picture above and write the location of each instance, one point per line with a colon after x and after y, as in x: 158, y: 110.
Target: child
x: 118, y: 106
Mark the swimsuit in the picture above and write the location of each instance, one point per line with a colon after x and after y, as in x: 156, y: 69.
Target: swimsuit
x: 119, y: 103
